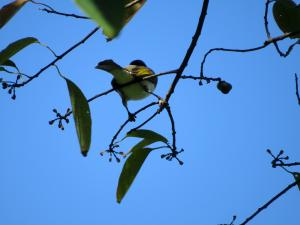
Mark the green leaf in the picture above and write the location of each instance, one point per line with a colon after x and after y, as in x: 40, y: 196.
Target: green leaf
x: 15, y: 47
x: 110, y: 15
x: 297, y: 178
x: 149, y: 137
x: 82, y: 116
x: 9, y: 63
x: 9, y: 10
x: 287, y: 16
x: 131, y: 9
x: 130, y: 170
x: 147, y: 134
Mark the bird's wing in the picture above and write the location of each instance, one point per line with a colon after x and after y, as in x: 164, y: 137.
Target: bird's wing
x: 139, y: 71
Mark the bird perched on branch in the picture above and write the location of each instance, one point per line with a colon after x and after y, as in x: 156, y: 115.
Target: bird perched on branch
x: 136, y: 70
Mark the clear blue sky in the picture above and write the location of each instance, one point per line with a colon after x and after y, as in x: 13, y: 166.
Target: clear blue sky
x: 46, y: 181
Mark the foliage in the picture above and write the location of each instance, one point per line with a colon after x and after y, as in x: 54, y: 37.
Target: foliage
x: 111, y: 17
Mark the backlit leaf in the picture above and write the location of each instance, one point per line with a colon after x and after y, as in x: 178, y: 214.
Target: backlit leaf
x: 81, y: 115
x: 110, y: 15
x: 287, y: 16
x: 130, y: 170
x: 15, y: 47
x: 9, y: 10
x: 149, y: 137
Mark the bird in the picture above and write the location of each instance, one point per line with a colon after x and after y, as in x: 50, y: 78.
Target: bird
x: 136, y: 70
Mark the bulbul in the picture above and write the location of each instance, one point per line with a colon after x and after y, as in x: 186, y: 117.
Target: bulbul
x: 136, y: 70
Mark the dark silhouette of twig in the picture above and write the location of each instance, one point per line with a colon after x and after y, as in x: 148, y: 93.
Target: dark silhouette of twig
x: 173, y: 126
x: 146, y: 121
x: 260, y: 209
x: 287, y: 164
x: 112, y: 143
x: 264, y: 45
x: 174, y: 153
x: 189, y: 52
x: 280, y: 161
x: 59, y: 57
x: 52, y: 11
x: 297, y: 88
x: 49, y: 9
x: 290, y: 48
x: 232, y: 221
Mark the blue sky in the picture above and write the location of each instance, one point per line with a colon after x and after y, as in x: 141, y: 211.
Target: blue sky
x: 44, y: 178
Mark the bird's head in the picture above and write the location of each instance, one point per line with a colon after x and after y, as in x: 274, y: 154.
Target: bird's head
x: 138, y: 62
x: 107, y: 65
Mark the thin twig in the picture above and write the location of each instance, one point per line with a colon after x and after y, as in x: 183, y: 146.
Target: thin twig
x: 264, y: 45
x: 289, y: 50
x: 49, y: 9
x: 59, y: 57
x: 297, y: 88
x: 65, y: 14
x: 112, y: 143
x: 146, y: 121
x: 259, y: 210
x: 189, y: 52
x: 287, y: 164
x: 173, y: 127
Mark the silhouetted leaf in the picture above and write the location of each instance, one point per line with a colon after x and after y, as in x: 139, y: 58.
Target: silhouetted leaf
x: 82, y: 116
x: 131, y: 9
x: 149, y: 137
x: 9, y: 63
x: 9, y: 10
x: 15, y: 47
x: 297, y: 178
x: 130, y: 169
x: 147, y: 134
x: 110, y: 15
x: 287, y: 16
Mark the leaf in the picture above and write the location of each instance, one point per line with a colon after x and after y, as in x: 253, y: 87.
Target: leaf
x: 131, y: 9
x: 297, y: 178
x: 2, y: 69
x: 15, y: 47
x: 130, y: 170
x: 110, y: 15
x: 9, y: 10
x: 287, y: 16
x: 82, y: 116
x: 147, y: 134
x: 149, y: 137
x: 9, y: 63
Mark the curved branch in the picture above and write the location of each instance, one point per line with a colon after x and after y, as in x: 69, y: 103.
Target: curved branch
x: 264, y: 45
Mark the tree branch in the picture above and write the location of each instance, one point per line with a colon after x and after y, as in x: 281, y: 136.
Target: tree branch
x: 297, y: 88
x: 259, y: 210
x: 52, y: 11
x: 59, y: 57
x: 188, y: 53
x: 264, y: 45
